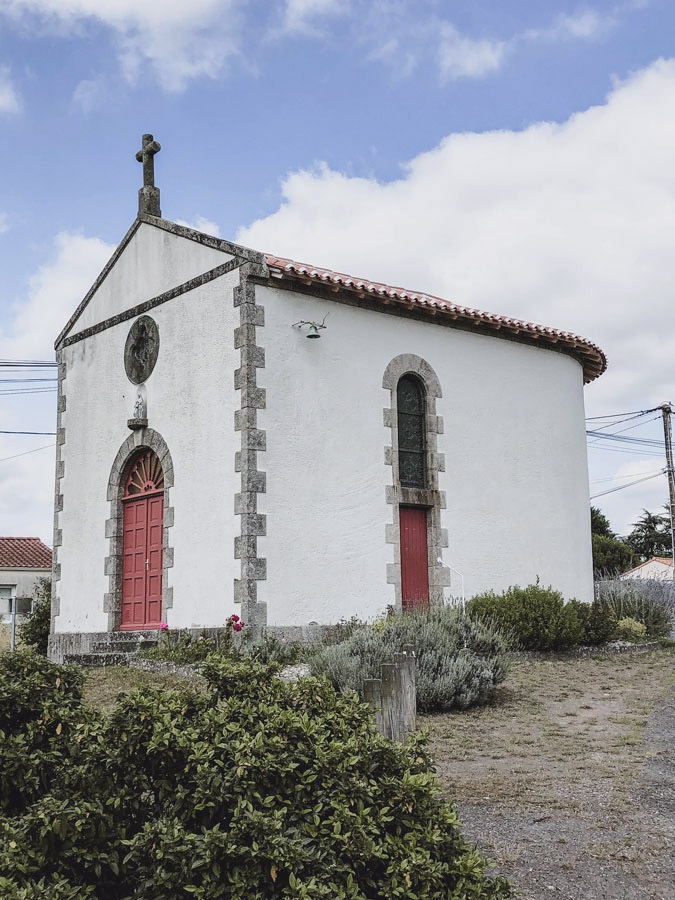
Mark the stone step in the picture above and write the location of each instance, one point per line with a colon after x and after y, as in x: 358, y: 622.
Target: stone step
x: 97, y: 660
x: 121, y: 646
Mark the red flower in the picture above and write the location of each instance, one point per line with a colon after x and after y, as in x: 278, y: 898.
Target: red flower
x: 234, y: 618
x: 237, y: 626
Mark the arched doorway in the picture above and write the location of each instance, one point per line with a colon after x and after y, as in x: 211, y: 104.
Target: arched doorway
x: 143, y: 515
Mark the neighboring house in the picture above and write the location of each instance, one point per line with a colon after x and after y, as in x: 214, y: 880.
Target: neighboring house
x: 22, y: 561
x: 658, y: 567
x: 211, y: 459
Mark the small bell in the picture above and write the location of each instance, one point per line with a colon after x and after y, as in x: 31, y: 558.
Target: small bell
x: 313, y: 332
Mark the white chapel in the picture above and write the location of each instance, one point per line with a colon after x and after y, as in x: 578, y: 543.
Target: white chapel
x: 240, y: 433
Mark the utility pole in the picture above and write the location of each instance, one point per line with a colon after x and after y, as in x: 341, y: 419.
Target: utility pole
x: 666, y: 410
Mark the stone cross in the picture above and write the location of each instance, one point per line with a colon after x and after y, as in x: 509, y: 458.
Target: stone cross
x: 148, y: 196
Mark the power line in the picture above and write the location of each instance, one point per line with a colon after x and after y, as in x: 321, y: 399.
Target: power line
x: 620, y: 477
x: 47, y: 433
x: 623, y: 487
x: 627, y: 440
x: 635, y: 414
x: 44, y: 390
x: 27, y: 363
x: 26, y: 452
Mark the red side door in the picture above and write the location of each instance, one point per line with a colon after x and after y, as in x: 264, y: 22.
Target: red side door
x: 142, y: 562
x: 414, y: 557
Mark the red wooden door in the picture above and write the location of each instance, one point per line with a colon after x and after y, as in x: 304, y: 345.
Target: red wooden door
x: 414, y: 557
x: 143, y: 505
x: 142, y: 564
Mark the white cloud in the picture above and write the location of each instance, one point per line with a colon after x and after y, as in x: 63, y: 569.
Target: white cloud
x: 583, y: 25
x: 206, y: 226
x: 401, y: 35
x: 303, y: 15
x: 54, y: 292
x: 179, y: 41
x: 568, y: 225
x: 463, y: 57
x: 9, y: 99
x: 4, y: 223
x: 90, y: 94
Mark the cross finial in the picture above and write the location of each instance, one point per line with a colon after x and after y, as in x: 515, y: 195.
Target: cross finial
x: 148, y: 196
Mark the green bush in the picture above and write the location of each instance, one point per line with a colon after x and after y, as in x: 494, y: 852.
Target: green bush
x: 34, y: 630
x: 258, y: 789
x: 41, y: 718
x: 184, y: 647
x: 630, y: 630
x: 458, y: 661
x: 597, y: 620
x: 537, y: 617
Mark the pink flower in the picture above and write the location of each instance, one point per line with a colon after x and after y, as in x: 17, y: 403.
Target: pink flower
x: 163, y: 626
x: 234, y: 618
x: 201, y: 637
x: 283, y: 640
x: 237, y: 626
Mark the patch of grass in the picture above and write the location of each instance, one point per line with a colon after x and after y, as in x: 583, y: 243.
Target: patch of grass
x: 103, y: 686
x: 535, y: 747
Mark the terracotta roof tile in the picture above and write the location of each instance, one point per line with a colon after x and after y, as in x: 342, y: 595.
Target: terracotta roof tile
x: 592, y: 358
x: 24, y: 553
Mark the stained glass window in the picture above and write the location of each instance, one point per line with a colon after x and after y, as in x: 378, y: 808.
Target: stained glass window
x: 411, y: 433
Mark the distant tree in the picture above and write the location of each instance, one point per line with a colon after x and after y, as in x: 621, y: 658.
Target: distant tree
x: 34, y: 632
x: 610, y: 553
x: 651, y: 535
x: 600, y: 523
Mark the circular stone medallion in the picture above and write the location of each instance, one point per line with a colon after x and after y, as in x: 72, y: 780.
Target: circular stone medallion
x: 141, y: 349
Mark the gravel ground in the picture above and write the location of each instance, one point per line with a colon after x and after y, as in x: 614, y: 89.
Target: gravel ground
x: 601, y: 831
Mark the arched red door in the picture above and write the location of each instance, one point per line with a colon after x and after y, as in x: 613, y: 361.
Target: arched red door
x: 143, y: 505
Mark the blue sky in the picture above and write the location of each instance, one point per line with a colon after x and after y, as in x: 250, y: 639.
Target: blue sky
x: 515, y: 156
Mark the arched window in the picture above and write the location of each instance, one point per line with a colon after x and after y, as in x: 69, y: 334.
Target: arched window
x: 412, y: 450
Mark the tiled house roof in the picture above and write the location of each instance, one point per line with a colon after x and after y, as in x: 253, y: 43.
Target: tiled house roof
x: 592, y: 358
x: 24, y: 553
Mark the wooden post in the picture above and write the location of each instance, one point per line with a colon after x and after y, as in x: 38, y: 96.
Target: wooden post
x: 393, y: 697
x: 372, y: 694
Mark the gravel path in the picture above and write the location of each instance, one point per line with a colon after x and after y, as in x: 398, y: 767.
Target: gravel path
x: 594, y: 854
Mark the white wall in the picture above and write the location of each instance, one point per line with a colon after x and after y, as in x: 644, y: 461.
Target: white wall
x: 653, y: 568
x: 153, y: 262
x: 516, y: 474
x: 191, y: 402
x: 22, y: 579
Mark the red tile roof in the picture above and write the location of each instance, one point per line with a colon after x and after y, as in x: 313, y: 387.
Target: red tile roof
x: 24, y: 553
x: 592, y: 358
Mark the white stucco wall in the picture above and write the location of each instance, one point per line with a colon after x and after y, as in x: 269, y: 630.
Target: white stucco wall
x: 21, y: 581
x: 653, y: 568
x: 514, y: 442
x: 153, y: 262
x: 191, y: 402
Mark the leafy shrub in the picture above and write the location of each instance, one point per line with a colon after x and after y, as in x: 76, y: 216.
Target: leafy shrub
x: 272, y: 649
x: 630, y: 630
x: 597, y: 620
x: 537, y: 617
x: 41, y: 717
x: 260, y: 789
x: 649, y: 601
x: 34, y: 630
x: 186, y: 648
x: 458, y: 661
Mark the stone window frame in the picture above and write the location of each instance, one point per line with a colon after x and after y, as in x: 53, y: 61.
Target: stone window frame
x: 431, y: 497
x: 143, y: 439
